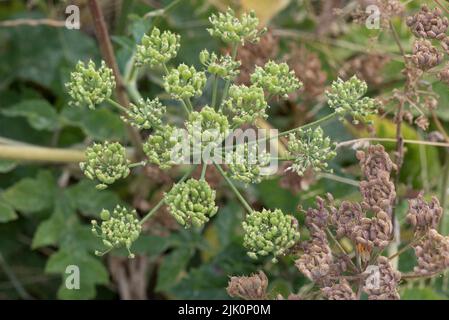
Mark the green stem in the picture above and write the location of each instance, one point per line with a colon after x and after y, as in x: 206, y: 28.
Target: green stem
x: 137, y: 164
x: 214, y: 91
x: 228, y: 82
x: 234, y: 189
x: 306, y: 126
x: 203, y: 171
x: 444, y: 186
x: 117, y: 105
x: 186, y: 109
x: 162, y: 201
x: 189, y: 104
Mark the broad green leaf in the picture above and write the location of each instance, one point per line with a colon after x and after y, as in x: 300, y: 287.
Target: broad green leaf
x: 272, y: 196
x: 39, y: 113
x: 99, y: 124
x: 7, y: 213
x: 32, y: 195
x: 171, y: 268
x: 89, y: 200
x: 48, y: 232
x: 91, y: 271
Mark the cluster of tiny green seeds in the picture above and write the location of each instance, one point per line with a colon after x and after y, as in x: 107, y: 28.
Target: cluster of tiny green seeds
x: 157, y: 49
x: 231, y: 29
x: 105, y: 162
x: 346, y: 98
x: 119, y: 229
x: 191, y: 202
x: 310, y: 149
x: 160, y: 147
x: 276, y: 78
x: 269, y: 232
x: 245, y: 163
x: 246, y: 104
x: 207, y: 127
x: 223, y: 66
x: 184, y: 82
x: 89, y: 86
x: 146, y: 114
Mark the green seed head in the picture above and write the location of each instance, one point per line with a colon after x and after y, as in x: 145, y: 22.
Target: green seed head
x: 90, y: 86
x: 276, y: 79
x: 184, y: 82
x: 346, y: 97
x: 146, y: 114
x: 161, y: 146
x: 231, y: 29
x: 245, y: 163
x: 310, y: 149
x: 207, y: 128
x: 105, y: 162
x: 157, y: 48
x: 117, y: 229
x: 191, y: 202
x: 246, y: 104
x: 223, y: 66
x: 269, y: 232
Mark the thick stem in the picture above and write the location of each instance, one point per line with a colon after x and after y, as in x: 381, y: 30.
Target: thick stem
x: 43, y: 154
x: 234, y: 189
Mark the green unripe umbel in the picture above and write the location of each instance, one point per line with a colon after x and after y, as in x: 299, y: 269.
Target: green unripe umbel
x: 207, y: 128
x: 276, y: 78
x: 346, y: 98
x: 118, y: 229
x: 223, y: 66
x: 231, y: 29
x: 160, y: 146
x: 90, y: 86
x: 246, y: 104
x: 246, y: 162
x: 157, y: 49
x: 184, y: 82
x: 191, y: 202
x: 310, y: 149
x: 105, y: 162
x: 146, y: 114
x: 269, y: 232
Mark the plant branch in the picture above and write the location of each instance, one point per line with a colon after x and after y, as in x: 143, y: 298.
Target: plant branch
x: 108, y: 55
x: 43, y: 154
x: 234, y: 189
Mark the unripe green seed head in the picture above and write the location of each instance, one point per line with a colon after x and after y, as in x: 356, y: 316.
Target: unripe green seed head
x: 276, y: 78
x: 160, y: 146
x: 310, y: 149
x: 263, y: 237
x: 105, y: 162
x: 157, y: 48
x: 346, y: 97
x: 184, y: 82
x: 146, y: 114
x: 207, y: 127
x: 223, y: 66
x: 245, y: 163
x: 120, y: 229
x: 246, y: 104
x: 90, y: 86
x: 231, y: 29
x: 191, y: 202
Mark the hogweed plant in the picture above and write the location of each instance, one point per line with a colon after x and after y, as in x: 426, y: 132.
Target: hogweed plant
x: 203, y: 141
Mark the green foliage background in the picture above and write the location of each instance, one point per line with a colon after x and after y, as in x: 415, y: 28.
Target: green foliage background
x: 44, y: 228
